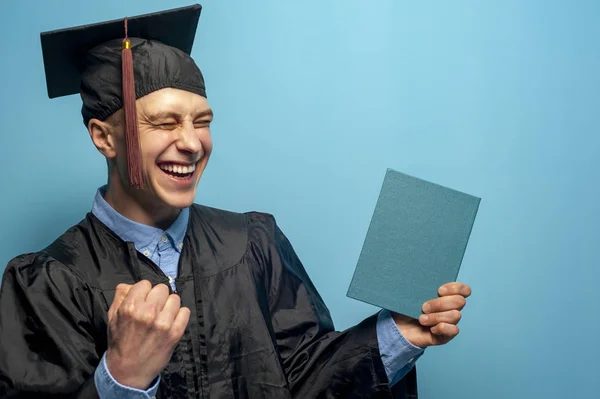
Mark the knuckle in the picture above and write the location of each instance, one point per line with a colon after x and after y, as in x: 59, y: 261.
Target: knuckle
x: 451, y: 288
x: 127, y: 310
x: 430, y: 306
x: 432, y: 318
x: 161, y: 326
x: 446, y: 329
x: 145, y: 318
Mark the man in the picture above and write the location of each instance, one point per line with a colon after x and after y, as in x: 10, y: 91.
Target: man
x: 153, y: 295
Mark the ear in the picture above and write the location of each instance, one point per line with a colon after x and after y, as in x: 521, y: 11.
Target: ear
x: 104, y: 137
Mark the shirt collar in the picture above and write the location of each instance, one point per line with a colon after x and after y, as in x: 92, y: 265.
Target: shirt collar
x: 142, y: 236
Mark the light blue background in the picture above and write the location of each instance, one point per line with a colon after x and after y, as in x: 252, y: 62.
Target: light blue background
x: 315, y: 99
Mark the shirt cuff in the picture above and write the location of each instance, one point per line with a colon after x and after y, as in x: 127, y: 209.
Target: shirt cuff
x: 109, y: 388
x: 398, y: 355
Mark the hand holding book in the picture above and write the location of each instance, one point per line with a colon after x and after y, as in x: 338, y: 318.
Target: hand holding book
x: 413, y: 249
x: 438, y: 323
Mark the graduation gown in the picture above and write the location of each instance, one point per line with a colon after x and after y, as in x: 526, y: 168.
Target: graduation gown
x: 258, y: 327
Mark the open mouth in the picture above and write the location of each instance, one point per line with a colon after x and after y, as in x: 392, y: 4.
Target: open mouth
x: 178, y: 171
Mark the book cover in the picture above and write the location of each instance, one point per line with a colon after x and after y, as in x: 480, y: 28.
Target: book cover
x: 415, y: 243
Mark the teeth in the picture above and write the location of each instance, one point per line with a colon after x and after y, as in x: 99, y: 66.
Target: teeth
x: 178, y: 168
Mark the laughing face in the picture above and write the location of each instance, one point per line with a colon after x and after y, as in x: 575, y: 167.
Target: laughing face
x: 174, y: 128
x: 174, y: 133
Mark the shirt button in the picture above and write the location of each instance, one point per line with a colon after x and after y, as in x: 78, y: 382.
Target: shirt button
x: 164, y: 239
x: 412, y: 359
x: 180, y: 245
x: 147, y: 253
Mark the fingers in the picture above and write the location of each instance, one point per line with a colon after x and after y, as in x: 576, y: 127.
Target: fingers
x: 444, y: 304
x: 172, y: 320
x: 180, y: 323
x: 138, y: 290
x: 448, y: 317
x: 445, y: 330
x: 120, y: 293
x: 135, y: 298
x: 158, y: 296
x: 151, y: 307
x: 455, y: 288
x: 165, y: 319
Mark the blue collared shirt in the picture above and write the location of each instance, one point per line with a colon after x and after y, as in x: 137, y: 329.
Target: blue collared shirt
x: 163, y: 247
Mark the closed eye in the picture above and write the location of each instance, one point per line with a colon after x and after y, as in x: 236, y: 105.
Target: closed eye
x: 166, y: 126
x: 202, y: 123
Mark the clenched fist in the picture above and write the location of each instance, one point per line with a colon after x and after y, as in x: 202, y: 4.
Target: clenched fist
x: 144, y: 326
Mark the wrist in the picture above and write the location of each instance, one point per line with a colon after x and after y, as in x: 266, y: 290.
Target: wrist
x: 125, y: 373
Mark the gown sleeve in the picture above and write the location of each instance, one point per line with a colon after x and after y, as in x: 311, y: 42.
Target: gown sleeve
x: 319, y: 361
x: 48, y: 348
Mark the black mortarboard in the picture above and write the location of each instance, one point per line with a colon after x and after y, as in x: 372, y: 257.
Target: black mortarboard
x: 111, y: 64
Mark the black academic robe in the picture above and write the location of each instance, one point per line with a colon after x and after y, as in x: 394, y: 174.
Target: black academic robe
x: 258, y: 327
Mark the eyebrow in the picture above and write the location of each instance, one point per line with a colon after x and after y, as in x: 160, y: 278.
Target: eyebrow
x: 174, y: 115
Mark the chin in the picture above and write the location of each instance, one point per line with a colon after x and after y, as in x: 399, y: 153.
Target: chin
x: 179, y: 200
x: 175, y: 193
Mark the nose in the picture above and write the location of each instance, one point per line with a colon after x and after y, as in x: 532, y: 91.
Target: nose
x: 189, y: 140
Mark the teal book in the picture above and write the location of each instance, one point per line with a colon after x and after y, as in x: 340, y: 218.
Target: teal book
x: 415, y: 243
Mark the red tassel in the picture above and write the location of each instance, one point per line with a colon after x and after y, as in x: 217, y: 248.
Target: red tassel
x: 134, y: 156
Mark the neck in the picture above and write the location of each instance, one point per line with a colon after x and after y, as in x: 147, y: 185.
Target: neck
x: 136, y: 206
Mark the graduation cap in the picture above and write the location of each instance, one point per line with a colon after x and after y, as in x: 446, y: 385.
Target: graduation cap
x: 112, y: 64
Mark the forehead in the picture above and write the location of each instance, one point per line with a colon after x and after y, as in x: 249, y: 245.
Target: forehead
x: 171, y: 100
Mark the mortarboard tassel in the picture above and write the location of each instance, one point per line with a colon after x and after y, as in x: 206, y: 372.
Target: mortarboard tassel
x: 134, y: 157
